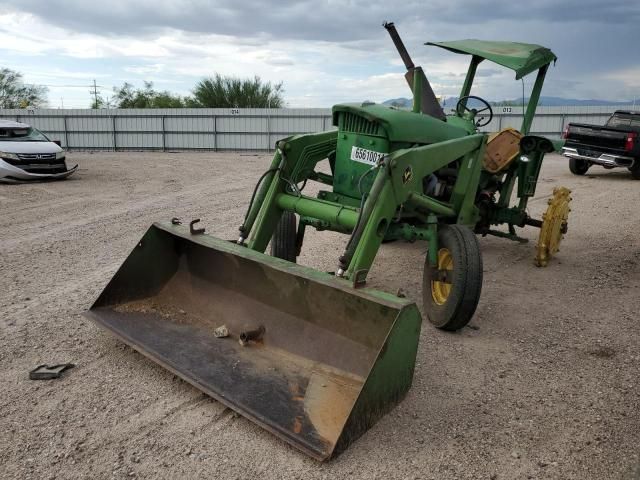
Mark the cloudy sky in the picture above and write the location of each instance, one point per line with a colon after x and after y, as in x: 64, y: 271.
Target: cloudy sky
x: 324, y: 51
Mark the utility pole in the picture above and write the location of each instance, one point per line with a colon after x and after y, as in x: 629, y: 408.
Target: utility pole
x: 95, y: 94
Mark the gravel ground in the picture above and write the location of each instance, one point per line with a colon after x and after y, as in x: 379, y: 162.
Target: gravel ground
x: 543, y: 385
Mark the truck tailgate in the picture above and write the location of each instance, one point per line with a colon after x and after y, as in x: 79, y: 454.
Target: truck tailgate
x: 594, y: 137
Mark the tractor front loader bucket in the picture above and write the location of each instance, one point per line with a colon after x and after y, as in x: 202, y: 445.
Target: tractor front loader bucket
x: 303, y: 354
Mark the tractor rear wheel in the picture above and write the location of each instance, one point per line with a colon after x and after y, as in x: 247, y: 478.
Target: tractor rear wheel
x: 451, y: 290
x: 283, y: 242
x: 635, y: 170
x: 578, y: 166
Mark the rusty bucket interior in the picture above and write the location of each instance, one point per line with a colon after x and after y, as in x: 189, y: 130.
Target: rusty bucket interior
x: 305, y: 355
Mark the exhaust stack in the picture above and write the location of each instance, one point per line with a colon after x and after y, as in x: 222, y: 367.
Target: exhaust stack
x: 428, y: 103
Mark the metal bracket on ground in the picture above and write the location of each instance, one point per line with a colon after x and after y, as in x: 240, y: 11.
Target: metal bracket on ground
x: 46, y: 372
x: 193, y: 230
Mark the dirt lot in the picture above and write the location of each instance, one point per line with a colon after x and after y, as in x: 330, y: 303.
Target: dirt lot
x: 545, y: 384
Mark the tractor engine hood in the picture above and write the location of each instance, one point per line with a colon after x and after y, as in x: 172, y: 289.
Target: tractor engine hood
x: 402, y: 126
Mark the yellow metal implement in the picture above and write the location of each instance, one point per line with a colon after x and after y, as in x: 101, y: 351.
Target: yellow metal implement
x: 502, y: 148
x: 554, y: 226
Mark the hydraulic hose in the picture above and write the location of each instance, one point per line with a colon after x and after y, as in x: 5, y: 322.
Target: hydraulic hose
x: 259, y: 192
x: 363, y: 198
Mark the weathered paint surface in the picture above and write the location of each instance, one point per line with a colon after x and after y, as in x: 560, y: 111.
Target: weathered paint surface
x: 322, y: 338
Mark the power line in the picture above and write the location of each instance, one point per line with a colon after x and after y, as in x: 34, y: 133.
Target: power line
x: 65, y: 86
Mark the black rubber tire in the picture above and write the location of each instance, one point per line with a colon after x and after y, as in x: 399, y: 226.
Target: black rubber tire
x: 283, y: 242
x: 578, y: 167
x: 635, y: 170
x: 466, y: 276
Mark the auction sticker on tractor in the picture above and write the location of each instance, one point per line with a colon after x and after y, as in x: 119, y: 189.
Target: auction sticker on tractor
x: 363, y: 155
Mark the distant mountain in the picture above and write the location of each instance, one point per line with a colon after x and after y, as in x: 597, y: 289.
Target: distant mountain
x: 407, y: 103
x: 544, y: 101
x: 549, y: 102
x: 561, y: 102
x: 399, y: 102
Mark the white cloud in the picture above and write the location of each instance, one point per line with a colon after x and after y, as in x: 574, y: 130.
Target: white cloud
x: 630, y: 77
x: 150, y: 69
x: 165, y: 42
x: 26, y: 34
x: 315, y: 73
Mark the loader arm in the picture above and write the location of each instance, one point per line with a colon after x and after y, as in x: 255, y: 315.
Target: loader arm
x: 398, y: 181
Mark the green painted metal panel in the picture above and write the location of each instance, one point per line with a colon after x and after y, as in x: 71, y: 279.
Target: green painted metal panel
x: 522, y: 58
x: 390, y: 378
x: 348, y: 172
x: 400, y: 125
x: 427, y: 159
x: 326, y: 211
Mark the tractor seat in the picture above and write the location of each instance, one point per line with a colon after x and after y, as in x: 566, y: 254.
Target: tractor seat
x: 502, y: 148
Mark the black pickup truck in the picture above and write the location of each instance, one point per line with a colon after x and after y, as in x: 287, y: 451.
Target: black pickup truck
x: 616, y: 144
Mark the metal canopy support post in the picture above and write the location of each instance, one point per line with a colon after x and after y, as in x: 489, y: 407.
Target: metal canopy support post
x: 113, y: 129
x: 417, y: 90
x: 471, y: 73
x: 164, y: 139
x: 66, y: 132
x: 268, y: 128
x: 533, y: 101
x: 215, y: 133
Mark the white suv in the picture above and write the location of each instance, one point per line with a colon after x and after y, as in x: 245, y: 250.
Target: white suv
x: 27, y: 154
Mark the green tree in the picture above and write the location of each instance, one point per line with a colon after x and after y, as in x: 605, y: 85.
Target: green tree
x: 97, y: 102
x: 127, y: 96
x: 15, y: 94
x: 231, y: 92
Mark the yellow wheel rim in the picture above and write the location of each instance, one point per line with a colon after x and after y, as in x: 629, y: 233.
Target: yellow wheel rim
x: 440, y: 290
x: 554, y: 223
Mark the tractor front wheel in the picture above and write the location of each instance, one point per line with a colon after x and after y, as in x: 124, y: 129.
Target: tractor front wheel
x: 451, y: 290
x: 283, y: 242
x: 578, y: 166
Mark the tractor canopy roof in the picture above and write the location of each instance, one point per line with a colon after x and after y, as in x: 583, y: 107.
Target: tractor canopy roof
x: 522, y: 58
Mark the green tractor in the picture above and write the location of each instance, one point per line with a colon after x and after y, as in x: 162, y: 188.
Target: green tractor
x: 317, y: 358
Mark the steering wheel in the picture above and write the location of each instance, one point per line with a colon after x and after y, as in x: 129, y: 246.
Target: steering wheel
x: 461, y: 107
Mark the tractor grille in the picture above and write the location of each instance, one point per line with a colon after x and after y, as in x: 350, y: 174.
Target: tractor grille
x: 356, y: 124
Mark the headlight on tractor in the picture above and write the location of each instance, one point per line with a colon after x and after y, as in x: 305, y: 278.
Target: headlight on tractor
x: 11, y: 156
x: 60, y: 155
